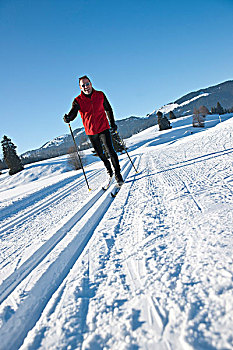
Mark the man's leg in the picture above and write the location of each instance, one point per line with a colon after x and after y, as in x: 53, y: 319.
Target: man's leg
x: 96, y: 143
x: 105, y: 137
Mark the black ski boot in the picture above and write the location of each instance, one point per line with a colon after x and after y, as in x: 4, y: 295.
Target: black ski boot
x: 110, y: 178
x: 119, y: 179
x: 110, y: 172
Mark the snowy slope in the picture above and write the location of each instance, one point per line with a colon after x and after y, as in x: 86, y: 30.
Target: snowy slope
x: 208, y: 97
x: 150, y: 269
x: 172, y: 106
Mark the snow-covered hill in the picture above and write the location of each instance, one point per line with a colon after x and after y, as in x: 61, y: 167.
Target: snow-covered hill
x: 175, y: 106
x: 150, y: 269
x: 208, y: 97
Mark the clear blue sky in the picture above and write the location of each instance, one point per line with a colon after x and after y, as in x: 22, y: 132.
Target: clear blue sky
x: 142, y: 54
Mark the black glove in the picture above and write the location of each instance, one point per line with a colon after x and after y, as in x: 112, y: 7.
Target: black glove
x: 114, y: 127
x: 67, y: 118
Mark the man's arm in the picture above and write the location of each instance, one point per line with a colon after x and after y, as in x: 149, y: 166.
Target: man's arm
x: 110, y: 114
x: 73, y: 112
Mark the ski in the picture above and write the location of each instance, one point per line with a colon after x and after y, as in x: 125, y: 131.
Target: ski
x: 116, y: 189
x: 107, y: 185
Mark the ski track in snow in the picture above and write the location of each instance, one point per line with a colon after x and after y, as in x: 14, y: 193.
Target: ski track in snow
x: 150, y: 269
x: 55, y: 272
x: 36, y: 215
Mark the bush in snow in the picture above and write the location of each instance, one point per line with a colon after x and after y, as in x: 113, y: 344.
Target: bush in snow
x: 204, y: 111
x: 74, y: 160
x: 199, y: 116
x: 11, y: 159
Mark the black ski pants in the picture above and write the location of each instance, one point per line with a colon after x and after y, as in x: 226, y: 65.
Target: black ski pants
x: 105, y: 138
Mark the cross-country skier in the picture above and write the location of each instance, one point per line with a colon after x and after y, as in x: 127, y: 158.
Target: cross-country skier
x: 93, y: 107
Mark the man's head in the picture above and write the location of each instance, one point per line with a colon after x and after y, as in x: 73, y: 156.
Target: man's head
x: 85, y: 85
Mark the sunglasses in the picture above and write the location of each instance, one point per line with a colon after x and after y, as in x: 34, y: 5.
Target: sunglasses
x: 87, y: 84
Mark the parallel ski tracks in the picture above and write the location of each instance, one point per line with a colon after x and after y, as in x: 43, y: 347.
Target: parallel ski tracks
x: 84, y: 222
x: 44, y: 203
x: 172, y: 177
x: 182, y: 173
x: 134, y: 270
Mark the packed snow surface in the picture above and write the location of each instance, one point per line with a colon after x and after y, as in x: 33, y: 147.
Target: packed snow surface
x: 150, y: 269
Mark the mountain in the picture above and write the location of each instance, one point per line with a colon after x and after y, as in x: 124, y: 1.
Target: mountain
x: 62, y: 144
x: 58, y: 146
x: 208, y: 97
x: 127, y: 127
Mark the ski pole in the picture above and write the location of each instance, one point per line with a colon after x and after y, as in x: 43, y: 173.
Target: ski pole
x: 122, y: 143
x: 79, y: 156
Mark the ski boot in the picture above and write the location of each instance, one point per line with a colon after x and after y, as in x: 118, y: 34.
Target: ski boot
x: 119, y: 179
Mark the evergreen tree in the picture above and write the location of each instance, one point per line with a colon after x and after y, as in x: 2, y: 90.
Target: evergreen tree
x: 11, y: 158
x: 1, y: 166
x: 172, y: 115
x: 163, y: 122
x: 219, y: 109
x: 213, y: 110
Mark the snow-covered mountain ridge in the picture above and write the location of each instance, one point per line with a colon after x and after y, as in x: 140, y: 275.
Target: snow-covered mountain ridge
x: 174, y: 106
x: 208, y: 97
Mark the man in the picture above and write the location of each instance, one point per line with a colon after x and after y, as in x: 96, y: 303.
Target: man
x: 93, y: 107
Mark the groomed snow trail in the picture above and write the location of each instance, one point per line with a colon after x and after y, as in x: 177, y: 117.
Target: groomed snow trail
x: 83, y: 224
x: 150, y: 269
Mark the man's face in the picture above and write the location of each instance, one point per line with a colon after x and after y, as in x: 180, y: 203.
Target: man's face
x: 85, y: 86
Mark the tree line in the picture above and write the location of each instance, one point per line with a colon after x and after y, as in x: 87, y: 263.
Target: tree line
x: 203, y: 110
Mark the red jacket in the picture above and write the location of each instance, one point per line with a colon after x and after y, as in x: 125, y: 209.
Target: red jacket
x: 92, y: 112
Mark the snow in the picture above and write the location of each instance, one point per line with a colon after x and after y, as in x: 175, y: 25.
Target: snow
x: 150, y: 269
x: 193, y: 99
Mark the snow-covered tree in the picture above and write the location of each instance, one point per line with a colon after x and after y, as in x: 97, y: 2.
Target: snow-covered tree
x: 10, y: 156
